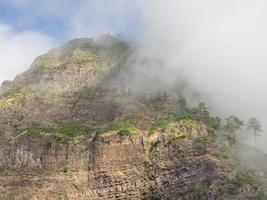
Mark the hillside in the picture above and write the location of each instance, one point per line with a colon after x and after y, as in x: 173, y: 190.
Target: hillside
x: 78, y: 124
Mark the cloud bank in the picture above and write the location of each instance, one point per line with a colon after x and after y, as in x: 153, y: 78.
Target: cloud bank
x: 218, y: 46
x: 18, y: 50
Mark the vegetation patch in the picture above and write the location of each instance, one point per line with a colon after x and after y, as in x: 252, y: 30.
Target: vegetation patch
x: 68, y: 131
x: 33, y: 91
x: 103, y: 71
x: 185, y: 128
x: 11, y: 92
x: 119, y: 65
x: 46, y: 67
x: 161, y: 124
x: 84, y: 56
x: 61, y: 66
x: 12, y: 95
x: 18, y: 95
x: 189, y: 123
x: 221, y: 155
x: 201, y: 140
x: 122, y: 128
x: 135, y: 119
x: 199, y: 113
x: 36, y: 130
x: 241, y: 180
x: 115, y: 62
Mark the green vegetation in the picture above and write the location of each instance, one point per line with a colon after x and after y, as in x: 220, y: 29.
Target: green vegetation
x: 37, y: 129
x: 103, y: 71
x: 61, y: 66
x: 18, y: 95
x: 201, y: 140
x: 119, y: 65
x: 186, y: 128
x: 161, y: 124
x: 189, y: 123
x: 221, y: 155
x: 183, y: 111
x: 233, y: 124
x: 191, y: 129
x: 50, y: 67
x: 33, y: 91
x: 255, y: 126
x: 69, y: 130
x: 244, y: 176
x: 114, y: 56
x: 179, y: 128
x: 241, y: 179
x: 63, y: 132
x: 84, y: 56
x: 199, y: 113
x: 136, y: 119
x: 123, y: 128
x: 109, y: 70
x: 45, y: 67
x: 14, y: 94
x: 89, y: 93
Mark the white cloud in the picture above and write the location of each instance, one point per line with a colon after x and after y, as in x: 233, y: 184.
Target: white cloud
x: 219, y: 46
x: 94, y: 17
x: 82, y: 18
x: 17, y: 50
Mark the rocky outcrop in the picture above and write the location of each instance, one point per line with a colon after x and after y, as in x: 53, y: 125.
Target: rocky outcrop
x: 67, y: 83
x: 117, y: 167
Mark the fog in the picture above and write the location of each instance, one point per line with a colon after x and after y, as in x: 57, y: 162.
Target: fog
x: 219, y: 47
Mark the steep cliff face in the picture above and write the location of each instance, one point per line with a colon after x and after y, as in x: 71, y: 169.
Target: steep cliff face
x: 170, y: 165
x: 73, y: 126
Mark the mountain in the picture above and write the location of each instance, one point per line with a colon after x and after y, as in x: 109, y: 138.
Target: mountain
x: 82, y: 123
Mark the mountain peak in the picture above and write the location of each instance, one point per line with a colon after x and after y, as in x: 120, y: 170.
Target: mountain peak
x: 101, y: 53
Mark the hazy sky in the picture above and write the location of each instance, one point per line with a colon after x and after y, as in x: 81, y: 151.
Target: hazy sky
x: 29, y: 28
x: 219, y: 46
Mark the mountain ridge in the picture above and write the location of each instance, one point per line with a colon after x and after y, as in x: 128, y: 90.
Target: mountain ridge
x: 76, y: 126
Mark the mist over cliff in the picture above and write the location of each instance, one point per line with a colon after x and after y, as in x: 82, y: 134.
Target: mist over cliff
x: 217, y: 47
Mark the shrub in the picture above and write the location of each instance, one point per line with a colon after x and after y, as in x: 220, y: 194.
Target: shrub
x: 72, y: 129
x: 123, y: 128
x: 84, y: 56
x: 161, y: 124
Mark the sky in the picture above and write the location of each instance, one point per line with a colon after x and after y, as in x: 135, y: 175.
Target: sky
x: 29, y: 28
x: 218, y: 46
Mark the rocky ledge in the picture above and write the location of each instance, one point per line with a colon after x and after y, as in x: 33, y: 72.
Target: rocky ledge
x: 182, y: 162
